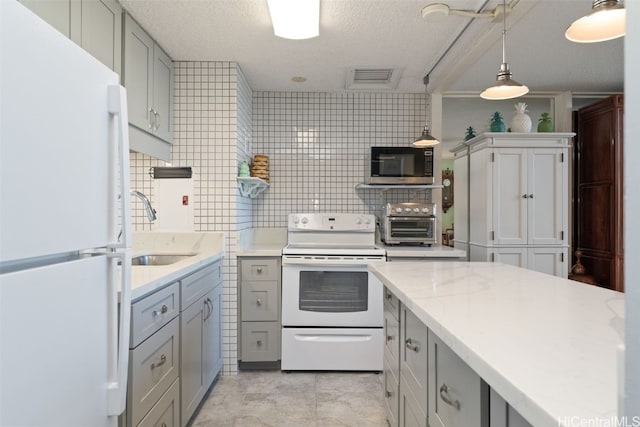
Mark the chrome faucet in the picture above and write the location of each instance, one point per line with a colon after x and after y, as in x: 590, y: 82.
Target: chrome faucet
x: 151, y: 213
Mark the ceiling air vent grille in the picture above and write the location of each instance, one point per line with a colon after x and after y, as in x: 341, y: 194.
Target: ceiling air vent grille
x: 373, y: 78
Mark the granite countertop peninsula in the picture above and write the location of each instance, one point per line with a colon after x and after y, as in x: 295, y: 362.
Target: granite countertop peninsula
x: 549, y: 346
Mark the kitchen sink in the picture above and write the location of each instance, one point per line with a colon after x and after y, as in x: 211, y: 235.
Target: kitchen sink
x: 164, y: 259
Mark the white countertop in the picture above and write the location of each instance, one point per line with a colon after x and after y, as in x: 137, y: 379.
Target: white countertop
x: 207, y: 247
x: 261, y: 242
x: 547, y: 345
x: 436, y: 251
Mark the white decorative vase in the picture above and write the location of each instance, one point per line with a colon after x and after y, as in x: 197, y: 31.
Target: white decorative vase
x: 521, y: 122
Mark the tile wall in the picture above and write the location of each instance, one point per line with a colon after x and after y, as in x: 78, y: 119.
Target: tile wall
x: 212, y: 133
x: 318, y: 146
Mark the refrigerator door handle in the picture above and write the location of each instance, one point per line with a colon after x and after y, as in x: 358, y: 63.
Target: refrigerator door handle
x: 120, y: 316
x: 119, y: 161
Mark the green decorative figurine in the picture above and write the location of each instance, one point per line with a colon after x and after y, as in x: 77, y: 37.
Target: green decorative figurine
x: 545, y: 125
x: 497, y: 125
x: 470, y: 134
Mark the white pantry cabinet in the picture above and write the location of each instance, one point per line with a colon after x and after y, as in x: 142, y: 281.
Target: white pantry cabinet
x: 518, y: 199
x: 95, y: 25
x: 148, y: 77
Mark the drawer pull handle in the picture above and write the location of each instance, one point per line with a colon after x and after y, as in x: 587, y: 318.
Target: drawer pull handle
x: 163, y: 425
x: 259, y: 343
x: 411, y: 346
x: 389, y: 296
x: 163, y: 360
x: 162, y: 310
x: 389, y: 393
x: 389, y: 338
x: 259, y: 270
x: 259, y: 301
x: 444, y: 390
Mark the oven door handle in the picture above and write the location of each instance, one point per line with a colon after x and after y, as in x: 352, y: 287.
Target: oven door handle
x: 333, y: 337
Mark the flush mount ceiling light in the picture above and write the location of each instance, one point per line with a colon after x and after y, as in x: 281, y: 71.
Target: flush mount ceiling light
x: 605, y: 22
x: 295, y: 19
x: 504, y: 87
x: 426, y: 139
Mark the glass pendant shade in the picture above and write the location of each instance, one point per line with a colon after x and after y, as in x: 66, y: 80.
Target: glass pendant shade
x: 295, y: 19
x: 426, y: 139
x: 504, y: 87
x: 607, y: 21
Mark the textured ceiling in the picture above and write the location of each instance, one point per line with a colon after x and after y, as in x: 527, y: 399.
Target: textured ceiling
x: 388, y: 33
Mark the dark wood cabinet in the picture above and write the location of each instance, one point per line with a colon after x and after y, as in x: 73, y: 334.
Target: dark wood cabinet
x: 598, y: 190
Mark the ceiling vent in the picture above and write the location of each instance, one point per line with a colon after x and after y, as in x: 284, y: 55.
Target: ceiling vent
x: 373, y: 78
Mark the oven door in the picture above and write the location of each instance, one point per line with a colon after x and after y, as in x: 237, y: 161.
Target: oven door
x: 330, y: 295
x: 410, y: 229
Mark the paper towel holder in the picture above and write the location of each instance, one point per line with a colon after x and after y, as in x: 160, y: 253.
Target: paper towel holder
x: 165, y: 172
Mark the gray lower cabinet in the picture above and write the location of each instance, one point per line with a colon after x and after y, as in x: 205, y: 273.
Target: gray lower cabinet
x: 501, y: 414
x: 259, y: 285
x: 391, y: 358
x: 413, y: 369
x: 175, y: 349
x: 154, y: 357
x: 148, y: 77
x: 201, y: 336
x: 95, y: 25
x: 457, y: 395
x: 428, y: 384
x: 165, y: 413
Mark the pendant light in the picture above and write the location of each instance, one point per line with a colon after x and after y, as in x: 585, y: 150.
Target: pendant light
x: 426, y: 139
x: 504, y: 87
x: 605, y: 22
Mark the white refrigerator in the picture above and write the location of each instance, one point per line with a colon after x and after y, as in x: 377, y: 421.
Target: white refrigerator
x: 64, y: 230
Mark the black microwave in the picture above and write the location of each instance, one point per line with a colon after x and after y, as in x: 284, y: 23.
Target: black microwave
x: 401, y: 165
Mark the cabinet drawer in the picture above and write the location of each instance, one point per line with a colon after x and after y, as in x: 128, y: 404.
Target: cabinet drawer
x: 153, y: 367
x: 153, y: 312
x: 392, y: 342
x: 165, y: 413
x: 412, y: 414
x: 260, y: 341
x: 456, y: 393
x: 391, y: 394
x: 259, y: 300
x: 413, y: 356
x: 199, y: 283
x: 260, y: 269
x: 391, y: 303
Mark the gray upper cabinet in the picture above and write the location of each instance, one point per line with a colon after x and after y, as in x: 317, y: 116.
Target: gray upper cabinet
x: 95, y: 25
x: 148, y: 77
x: 56, y: 13
x: 101, y: 32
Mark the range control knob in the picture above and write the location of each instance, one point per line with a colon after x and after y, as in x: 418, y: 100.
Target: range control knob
x: 304, y: 220
x: 358, y: 221
x: 367, y: 221
x: 407, y: 209
x: 425, y: 210
x: 296, y: 220
x: 416, y: 210
x: 399, y: 210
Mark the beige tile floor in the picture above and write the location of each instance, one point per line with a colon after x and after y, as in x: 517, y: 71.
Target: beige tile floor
x: 277, y: 399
